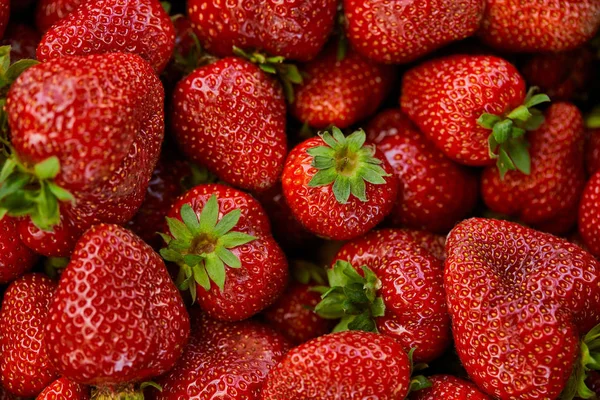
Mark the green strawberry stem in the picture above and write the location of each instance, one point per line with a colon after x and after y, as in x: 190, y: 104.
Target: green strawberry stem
x: 417, y: 382
x: 507, y: 142
x: 588, y: 360
x: 202, y: 246
x: 593, y: 119
x: 347, y: 163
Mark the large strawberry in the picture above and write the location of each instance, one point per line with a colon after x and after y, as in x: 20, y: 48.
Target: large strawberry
x: 539, y: 25
x: 436, y: 193
x: 141, y: 27
x: 520, y: 301
x: 25, y: 367
x: 589, y: 215
x: 230, y: 116
x: 400, y: 32
x: 15, y: 257
x: 338, y: 187
x: 49, y: 12
x: 221, y: 239
x: 552, y: 189
x: 116, y: 318
x: 476, y: 94
x: 64, y: 389
x: 448, y: 387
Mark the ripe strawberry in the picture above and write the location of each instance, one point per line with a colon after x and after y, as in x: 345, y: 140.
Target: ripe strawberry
x: 340, y: 92
x: 230, y: 116
x: 15, y: 257
x: 436, y: 193
x: 49, y: 12
x: 296, y: 29
x: 344, y: 365
x: 592, y: 151
x: 116, y: 317
x: 22, y: 40
x: 401, y: 32
x: 231, y: 358
x: 221, y: 234
x: 475, y: 94
x: 64, y: 389
x: 553, y: 188
x: 519, y: 300
x: 25, y: 368
x: 589, y: 215
x: 434, y: 244
x: 539, y: 25
x: 448, y: 387
x: 140, y: 27
x: 338, y: 187
x: 386, y: 282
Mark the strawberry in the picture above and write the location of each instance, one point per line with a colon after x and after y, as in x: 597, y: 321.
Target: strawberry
x: 434, y: 244
x: 475, y: 94
x: 64, y: 389
x: 25, y: 368
x: 116, y: 317
x: 49, y: 12
x: 520, y: 300
x: 340, y: 92
x: 592, y: 151
x: 345, y: 365
x: 15, y: 257
x: 553, y: 188
x: 222, y: 235
x: 539, y: 25
x: 22, y: 40
x: 141, y: 27
x: 386, y: 282
x: 231, y: 358
x: 296, y: 29
x: 338, y: 187
x: 436, y: 193
x: 401, y: 32
x: 589, y: 215
x: 230, y: 117
x: 448, y: 387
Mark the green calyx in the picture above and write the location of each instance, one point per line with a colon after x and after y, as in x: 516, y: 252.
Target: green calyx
x: 53, y: 266
x: 287, y: 73
x: 588, y: 360
x: 347, y: 163
x: 128, y: 392
x: 306, y: 272
x: 194, y: 58
x: 201, y: 246
x: 593, y: 119
x: 507, y: 142
x: 417, y: 382
x: 350, y: 297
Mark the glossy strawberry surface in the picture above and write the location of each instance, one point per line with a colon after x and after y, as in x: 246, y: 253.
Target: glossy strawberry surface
x: 49, y: 12
x: 589, y: 215
x: 15, y: 257
x: 448, y: 387
x: 64, y: 389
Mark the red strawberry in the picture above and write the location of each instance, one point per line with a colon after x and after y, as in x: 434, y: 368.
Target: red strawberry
x: 338, y: 187
x: 230, y: 116
x: 539, y: 25
x: 22, y: 40
x: 553, y: 188
x: 231, y: 359
x: 345, y: 365
x: 400, y: 32
x: 116, y: 317
x: 141, y: 27
x: 49, y: 12
x: 475, y: 94
x: 64, y: 389
x: 15, y: 257
x: 434, y: 244
x: 221, y: 239
x: 519, y: 301
x: 436, y: 193
x: 295, y: 29
x: 386, y: 282
x: 589, y: 215
x: 592, y: 151
x: 26, y: 370
x: 448, y: 387
x: 340, y: 93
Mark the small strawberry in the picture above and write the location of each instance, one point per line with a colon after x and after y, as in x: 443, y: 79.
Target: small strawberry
x: 520, y: 301
x: 116, y: 317
x: 448, y: 387
x: 64, y: 389
x: 401, y: 32
x: 49, y: 12
x: 222, y: 235
x: 589, y: 215
x: 436, y: 193
x: 230, y: 117
x: 552, y: 189
x: 340, y: 92
x: 338, y: 187
x: 23, y: 41
x: 25, y: 368
x: 475, y: 94
x: 539, y: 25
x: 15, y: 257
x: 592, y: 151
x: 141, y: 27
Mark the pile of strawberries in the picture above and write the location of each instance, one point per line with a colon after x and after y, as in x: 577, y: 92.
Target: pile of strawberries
x: 300, y: 199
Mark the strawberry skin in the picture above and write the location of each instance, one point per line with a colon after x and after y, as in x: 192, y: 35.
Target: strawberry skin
x: 407, y: 30
x: 592, y: 151
x: 589, y: 215
x: 539, y: 25
x: 448, y: 387
x: 141, y: 27
x: 15, y: 257
x: 553, y: 188
x: 296, y: 29
x: 25, y: 367
x: 23, y: 41
x: 519, y: 300
x: 230, y: 117
x: 436, y: 193
x: 345, y: 365
x: 49, y: 12
x: 116, y: 317
x: 64, y: 389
